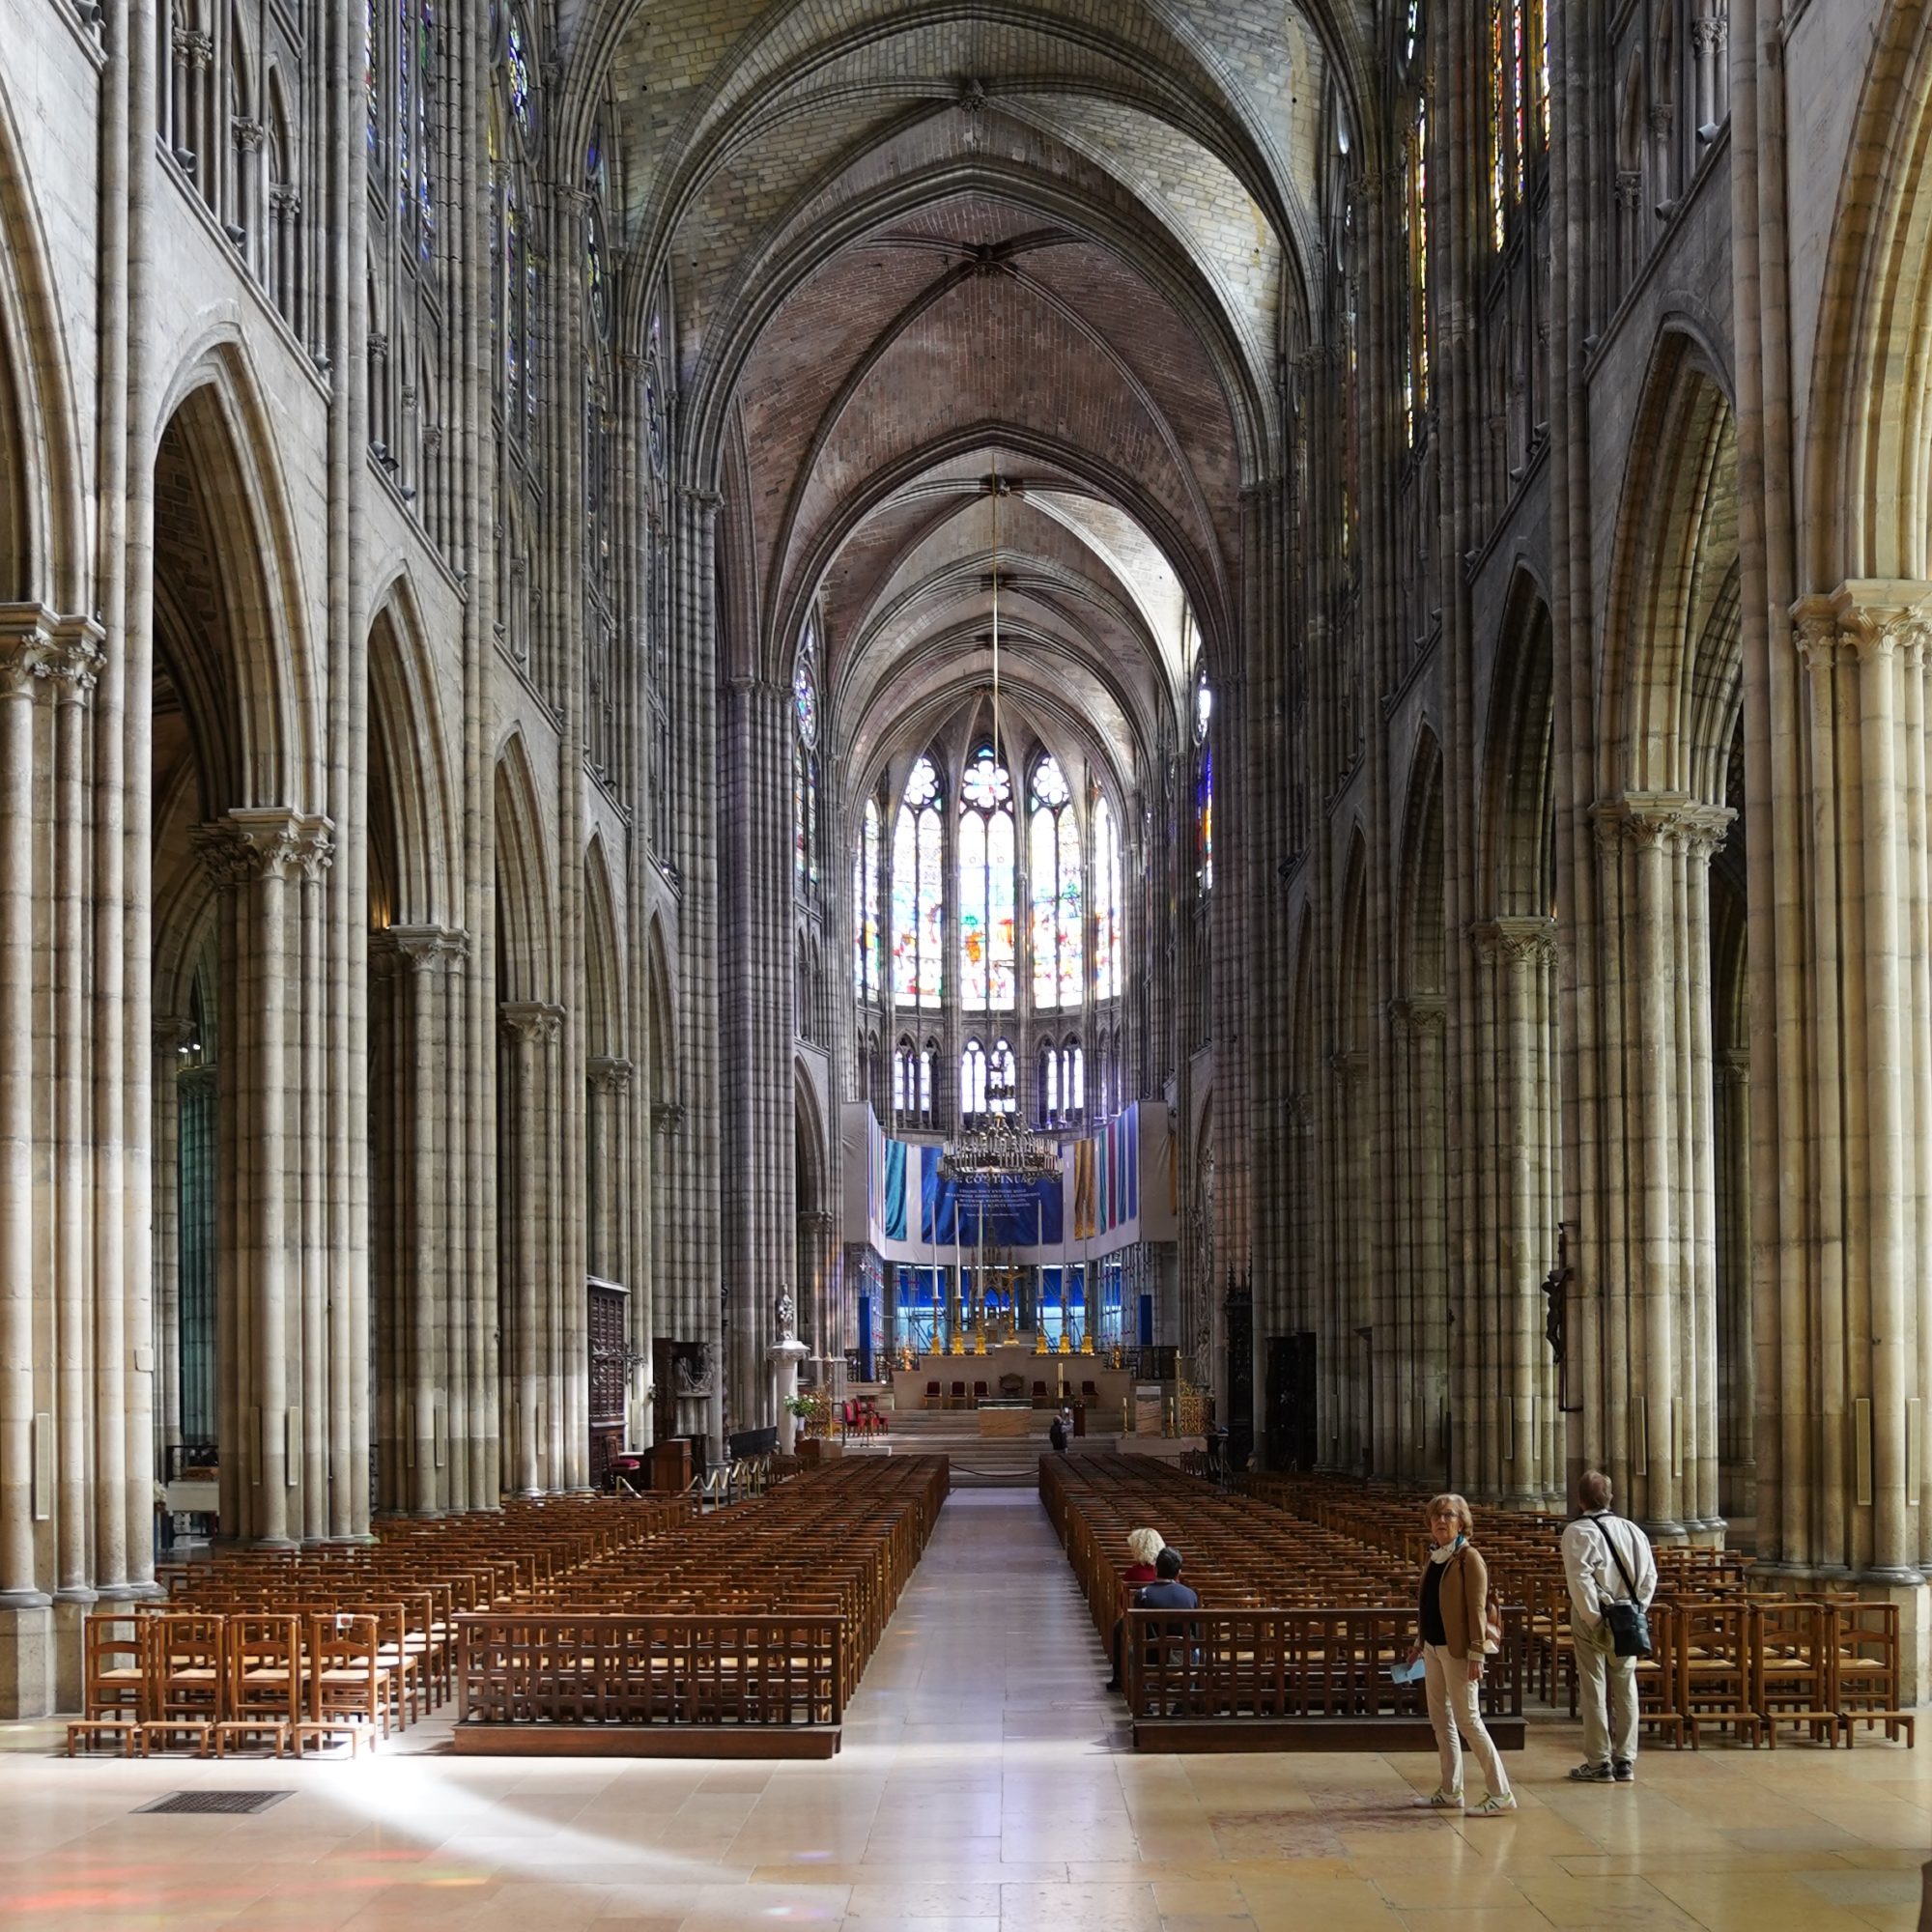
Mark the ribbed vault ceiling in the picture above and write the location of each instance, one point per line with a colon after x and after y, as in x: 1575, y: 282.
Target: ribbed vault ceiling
x: 914, y: 245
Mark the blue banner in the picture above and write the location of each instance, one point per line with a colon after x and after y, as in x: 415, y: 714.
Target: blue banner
x: 895, y: 1201
x: 1004, y: 1215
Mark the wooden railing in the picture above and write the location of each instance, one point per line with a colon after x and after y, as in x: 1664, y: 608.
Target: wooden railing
x: 536, y: 1667
x: 1294, y: 1663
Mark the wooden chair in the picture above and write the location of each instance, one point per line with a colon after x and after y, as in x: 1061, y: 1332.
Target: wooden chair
x: 187, y: 1672
x: 114, y: 1682
x: 1792, y: 1645
x: 957, y: 1397
x: 1864, y: 1671
x: 978, y: 1394
x: 345, y: 1693
x: 265, y: 1680
x: 932, y: 1396
x: 1715, y: 1658
x: 1040, y: 1397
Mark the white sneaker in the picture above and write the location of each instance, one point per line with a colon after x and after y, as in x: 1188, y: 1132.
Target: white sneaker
x: 1441, y: 1801
x: 1495, y: 1804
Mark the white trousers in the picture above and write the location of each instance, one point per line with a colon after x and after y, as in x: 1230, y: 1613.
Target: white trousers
x: 1455, y: 1705
x: 1606, y: 1695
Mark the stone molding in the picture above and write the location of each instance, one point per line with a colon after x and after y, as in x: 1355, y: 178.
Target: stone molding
x: 667, y: 1117
x: 195, y: 46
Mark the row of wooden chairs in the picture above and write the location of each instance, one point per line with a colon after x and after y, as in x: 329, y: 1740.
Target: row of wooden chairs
x: 1728, y: 1656
x: 215, y: 1681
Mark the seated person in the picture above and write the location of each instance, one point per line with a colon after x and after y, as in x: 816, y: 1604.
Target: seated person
x: 1144, y: 1548
x: 1167, y: 1592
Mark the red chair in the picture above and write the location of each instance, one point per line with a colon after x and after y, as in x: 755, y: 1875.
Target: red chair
x: 978, y: 1394
x: 932, y: 1395
x: 958, y: 1397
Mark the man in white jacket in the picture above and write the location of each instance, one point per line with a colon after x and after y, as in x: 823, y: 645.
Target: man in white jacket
x: 1606, y: 1559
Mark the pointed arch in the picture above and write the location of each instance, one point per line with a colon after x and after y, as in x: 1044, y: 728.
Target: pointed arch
x: 603, y: 957
x: 661, y: 1011
x: 1673, y: 664
x: 526, y: 913
x: 1419, y: 904
x: 1518, y: 783
x: 43, y: 553
x: 228, y: 592
x: 410, y: 766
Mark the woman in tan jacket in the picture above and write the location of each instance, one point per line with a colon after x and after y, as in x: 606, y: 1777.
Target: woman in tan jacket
x: 1453, y: 1641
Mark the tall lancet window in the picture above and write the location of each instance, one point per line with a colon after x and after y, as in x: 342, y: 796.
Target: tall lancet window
x: 986, y: 886
x: 1053, y: 855
x: 805, y: 764
x: 1107, y: 972
x: 865, y: 963
x: 919, y: 895
x: 1204, y: 787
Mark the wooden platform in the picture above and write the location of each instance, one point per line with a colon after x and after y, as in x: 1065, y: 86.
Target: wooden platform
x: 1210, y: 1735
x: 720, y: 1741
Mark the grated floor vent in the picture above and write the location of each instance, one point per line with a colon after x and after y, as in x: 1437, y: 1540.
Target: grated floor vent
x: 226, y: 1804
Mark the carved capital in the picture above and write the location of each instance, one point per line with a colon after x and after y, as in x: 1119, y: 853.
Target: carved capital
x: 1711, y: 34
x: 1630, y: 190
x: 608, y: 1073
x: 530, y: 1022
x: 1515, y: 941
x: 285, y: 200
x: 667, y: 1117
x: 379, y: 346
x: 1667, y: 819
x: 425, y: 948
x: 248, y: 135
x: 1418, y: 1014
x: 171, y: 1033
x: 193, y: 47
x: 264, y: 842
x: 1879, y: 617
x: 1814, y: 630
x: 1348, y: 1066
x: 1733, y: 1066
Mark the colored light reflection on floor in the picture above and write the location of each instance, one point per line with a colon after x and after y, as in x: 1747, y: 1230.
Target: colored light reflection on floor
x: 983, y: 1786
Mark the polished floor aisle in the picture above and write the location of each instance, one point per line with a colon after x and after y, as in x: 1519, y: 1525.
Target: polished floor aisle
x: 983, y: 1784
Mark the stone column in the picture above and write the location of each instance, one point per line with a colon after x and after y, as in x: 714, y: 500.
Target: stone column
x: 1410, y: 1445
x: 26, y: 652
x: 1507, y: 1371
x: 1655, y: 1261
x: 530, y: 1291
x: 171, y: 1036
x: 254, y: 854
x: 429, y: 1366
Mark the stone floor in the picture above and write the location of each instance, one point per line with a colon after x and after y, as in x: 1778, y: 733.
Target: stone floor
x: 983, y: 1784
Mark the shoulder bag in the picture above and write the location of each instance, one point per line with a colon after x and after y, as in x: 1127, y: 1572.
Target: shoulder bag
x: 1629, y: 1627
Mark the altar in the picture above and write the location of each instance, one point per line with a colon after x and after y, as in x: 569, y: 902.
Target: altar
x: 1010, y: 1379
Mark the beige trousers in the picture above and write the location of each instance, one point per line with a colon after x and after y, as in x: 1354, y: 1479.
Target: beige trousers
x: 1454, y: 1704
x: 1606, y: 1695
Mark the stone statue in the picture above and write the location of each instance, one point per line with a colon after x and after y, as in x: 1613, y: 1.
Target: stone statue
x: 788, y: 1314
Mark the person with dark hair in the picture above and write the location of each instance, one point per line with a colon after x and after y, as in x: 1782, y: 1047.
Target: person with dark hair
x: 1167, y: 1592
x: 1060, y: 1430
x: 1606, y: 1559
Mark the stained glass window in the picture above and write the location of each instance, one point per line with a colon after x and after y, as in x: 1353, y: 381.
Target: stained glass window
x: 425, y: 129
x: 1204, y: 820
x: 1411, y: 33
x: 1003, y: 1084
x: 973, y: 1080
x: 371, y: 96
x: 988, y: 889
x: 918, y: 891
x: 1073, y: 1079
x: 805, y: 687
x: 1419, y: 193
x: 1540, y: 30
x: 804, y: 761
x: 404, y: 111
x: 928, y: 1079
x: 517, y: 61
x: 1203, y: 708
x: 1521, y: 50
x: 1106, y: 903
x: 1049, y: 1087
x: 1053, y: 857
x: 1499, y: 123
x: 902, y: 1076
x: 866, y: 906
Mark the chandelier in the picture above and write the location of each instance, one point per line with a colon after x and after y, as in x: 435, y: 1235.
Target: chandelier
x: 1002, y: 1148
